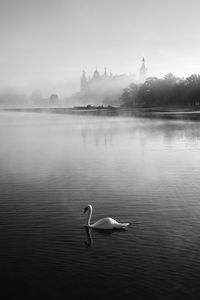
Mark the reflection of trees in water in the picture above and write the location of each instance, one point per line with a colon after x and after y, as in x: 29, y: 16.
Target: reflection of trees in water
x: 142, y: 129
x: 175, y: 130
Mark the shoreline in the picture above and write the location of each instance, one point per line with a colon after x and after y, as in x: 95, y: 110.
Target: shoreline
x: 167, y: 113
x: 159, y: 109
x: 104, y: 109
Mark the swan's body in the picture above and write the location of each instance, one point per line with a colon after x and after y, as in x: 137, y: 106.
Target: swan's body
x: 105, y: 223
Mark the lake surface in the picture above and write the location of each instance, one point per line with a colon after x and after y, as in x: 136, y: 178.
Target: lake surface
x: 139, y: 170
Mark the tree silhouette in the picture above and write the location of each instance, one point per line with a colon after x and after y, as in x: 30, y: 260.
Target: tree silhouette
x: 169, y: 91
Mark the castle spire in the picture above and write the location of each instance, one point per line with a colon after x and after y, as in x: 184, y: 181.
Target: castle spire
x: 96, y: 73
x: 143, y: 72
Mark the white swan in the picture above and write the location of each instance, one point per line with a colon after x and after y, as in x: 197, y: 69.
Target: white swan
x: 105, y: 223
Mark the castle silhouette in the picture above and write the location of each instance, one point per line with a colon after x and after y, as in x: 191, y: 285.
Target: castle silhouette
x: 105, y: 88
x: 106, y: 80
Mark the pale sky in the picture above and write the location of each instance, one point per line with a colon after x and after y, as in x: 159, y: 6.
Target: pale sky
x: 45, y: 44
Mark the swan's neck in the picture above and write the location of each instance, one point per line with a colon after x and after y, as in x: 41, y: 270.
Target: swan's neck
x: 89, y: 216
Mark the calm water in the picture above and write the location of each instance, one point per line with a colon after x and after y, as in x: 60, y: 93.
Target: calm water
x: 138, y: 170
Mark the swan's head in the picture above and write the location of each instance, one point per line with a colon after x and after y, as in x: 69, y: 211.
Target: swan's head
x: 87, y: 208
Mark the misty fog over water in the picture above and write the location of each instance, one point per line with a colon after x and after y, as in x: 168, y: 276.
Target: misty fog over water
x: 140, y: 170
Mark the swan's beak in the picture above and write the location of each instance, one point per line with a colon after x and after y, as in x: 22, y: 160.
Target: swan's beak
x: 85, y: 209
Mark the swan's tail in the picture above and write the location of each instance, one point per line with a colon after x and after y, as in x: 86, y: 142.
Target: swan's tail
x: 123, y: 225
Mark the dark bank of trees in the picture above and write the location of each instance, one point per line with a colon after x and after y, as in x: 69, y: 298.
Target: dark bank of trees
x: 169, y: 91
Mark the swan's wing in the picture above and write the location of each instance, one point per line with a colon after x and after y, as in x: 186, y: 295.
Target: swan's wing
x: 109, y: 223
x: 105, y: 223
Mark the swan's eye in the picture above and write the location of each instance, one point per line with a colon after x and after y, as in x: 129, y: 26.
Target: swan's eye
x: 85, y: 209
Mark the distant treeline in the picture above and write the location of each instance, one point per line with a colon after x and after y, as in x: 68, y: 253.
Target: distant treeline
x: 169, y: 91
x: 89, y: 106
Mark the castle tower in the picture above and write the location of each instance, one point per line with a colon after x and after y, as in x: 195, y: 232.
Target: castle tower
x: 105, y: 72
x: 143, y: 72
x: 96, y: 74
x: 83, y: 82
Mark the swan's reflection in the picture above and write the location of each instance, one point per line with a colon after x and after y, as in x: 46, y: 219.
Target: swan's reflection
x: 88, y: 231
x: 89, y: 241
